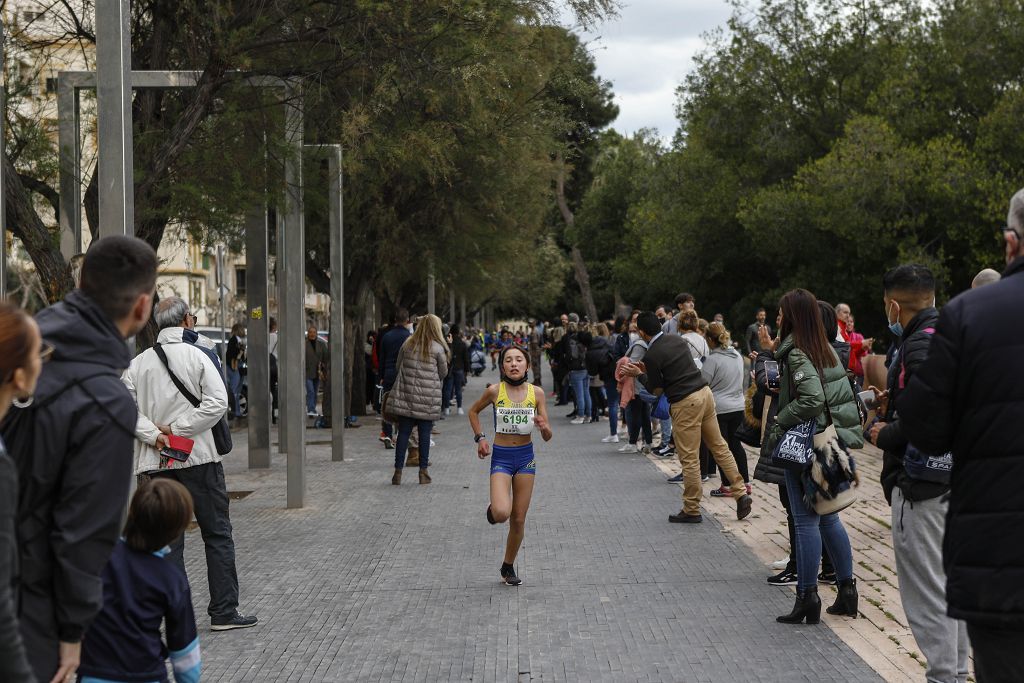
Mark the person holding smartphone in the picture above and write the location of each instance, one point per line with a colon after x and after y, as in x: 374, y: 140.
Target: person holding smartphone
x: 518, y: 409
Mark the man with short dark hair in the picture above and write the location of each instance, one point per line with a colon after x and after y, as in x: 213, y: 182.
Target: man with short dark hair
x: 918, y: 501
x: 684, y: 302
x: 668, y: 368
x: 967, y: 398
x: 73, y: 449
x: 390, y: 344
x: 752, y: 339
x: 316, y: 360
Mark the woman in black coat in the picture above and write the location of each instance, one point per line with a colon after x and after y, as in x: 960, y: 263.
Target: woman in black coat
x: 20, y: 361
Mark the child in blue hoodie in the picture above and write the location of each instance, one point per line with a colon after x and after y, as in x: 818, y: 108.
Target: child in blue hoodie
x: 141, y: 590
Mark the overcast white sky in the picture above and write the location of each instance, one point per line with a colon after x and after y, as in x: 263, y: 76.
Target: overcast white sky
x: 647, y: 51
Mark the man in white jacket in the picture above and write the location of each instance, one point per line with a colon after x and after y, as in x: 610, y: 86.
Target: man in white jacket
x: 163, y: 410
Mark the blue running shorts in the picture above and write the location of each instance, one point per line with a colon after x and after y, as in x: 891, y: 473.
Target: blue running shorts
x: 513, y: 460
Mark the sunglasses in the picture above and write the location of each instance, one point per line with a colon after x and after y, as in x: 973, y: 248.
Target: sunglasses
x: 45, y: 353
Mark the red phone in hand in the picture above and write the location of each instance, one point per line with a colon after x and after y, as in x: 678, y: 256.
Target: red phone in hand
x: 178, y: 448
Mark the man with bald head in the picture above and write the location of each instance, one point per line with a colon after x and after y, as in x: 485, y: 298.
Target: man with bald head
x: 985, y: 277
x: 967, y: 398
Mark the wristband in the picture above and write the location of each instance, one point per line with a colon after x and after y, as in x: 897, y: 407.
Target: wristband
x: 476, y: 439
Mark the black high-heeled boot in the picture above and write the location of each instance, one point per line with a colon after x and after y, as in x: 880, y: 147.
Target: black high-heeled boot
x: 846, y: 601
x: 808, y: 605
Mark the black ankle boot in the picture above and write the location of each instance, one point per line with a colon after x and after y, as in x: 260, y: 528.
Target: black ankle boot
x: 808, y: 605
x: 846, y: 601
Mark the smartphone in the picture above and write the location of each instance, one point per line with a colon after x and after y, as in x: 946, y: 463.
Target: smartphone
x: 869, y: 400
x: 771, y: 373
x: 178, y: 448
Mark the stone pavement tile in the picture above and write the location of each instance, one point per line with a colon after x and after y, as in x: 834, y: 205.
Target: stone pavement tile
x: 373, y: 582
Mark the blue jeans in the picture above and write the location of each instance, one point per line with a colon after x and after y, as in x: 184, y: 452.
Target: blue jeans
x: 405, y: 425
x: 811, y: 531
x: 235, y: 389
x: 446, y: 391
x: 580, y: 381
x: 459, y: 377
x: 611, y: 390
x: 311, y: 386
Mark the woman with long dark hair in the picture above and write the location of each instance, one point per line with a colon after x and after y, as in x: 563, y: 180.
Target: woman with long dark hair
x: 21, y: 353
x: 814, y: 386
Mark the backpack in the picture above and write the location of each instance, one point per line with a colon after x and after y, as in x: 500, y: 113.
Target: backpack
x: 936, y: 469
x: 598, y: 360
x: 575, y: 354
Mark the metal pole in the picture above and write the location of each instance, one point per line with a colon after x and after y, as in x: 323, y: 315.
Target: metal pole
x: 430, y: 289
x: 70, y: 165
x: 451, y: 305
x: 222, y: 291
x: 293, y: 302
x: 114, y: 104
x: 284, y: 402
x: 258, y: 352
x: 3, y: 166
x: 339, y: 415
x: 462, y: 316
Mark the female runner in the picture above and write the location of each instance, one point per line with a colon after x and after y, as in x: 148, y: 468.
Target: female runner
x: 517, y: 409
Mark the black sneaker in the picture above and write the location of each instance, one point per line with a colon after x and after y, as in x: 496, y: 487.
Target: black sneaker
x: 236, y: 620
x: 678, y: 479
x: 508, y: 576
x: 829, y: 578
x: 388, y: 443
x: 783, y: 578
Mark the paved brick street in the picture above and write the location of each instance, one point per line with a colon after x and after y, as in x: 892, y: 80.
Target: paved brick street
x: 373, y: 582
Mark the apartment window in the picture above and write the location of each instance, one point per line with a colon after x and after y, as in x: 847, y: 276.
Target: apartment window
x: 31, y: 15
x: 196, y: 300
x: 239, y: 282
x: 51, y: 86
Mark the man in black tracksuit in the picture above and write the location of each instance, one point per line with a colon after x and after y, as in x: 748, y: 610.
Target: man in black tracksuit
x: 968, y: 398
x: 73, y: 447
x: 919, y: 505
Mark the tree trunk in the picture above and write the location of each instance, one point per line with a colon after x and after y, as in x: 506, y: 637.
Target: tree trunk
x: 42, y: 246
x: 579, y: 266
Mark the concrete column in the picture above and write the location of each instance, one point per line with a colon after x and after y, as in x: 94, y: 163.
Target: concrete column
x: 337, y: 227
x: 451, y: 305
x: 292, y: 304
x: 257, y: 330
x: 70, y: 166
x: 114, y: 103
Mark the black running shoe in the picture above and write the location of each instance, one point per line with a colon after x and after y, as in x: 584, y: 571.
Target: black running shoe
x: 508, y: 575
x: 234, y: 621
x: 783, y: 578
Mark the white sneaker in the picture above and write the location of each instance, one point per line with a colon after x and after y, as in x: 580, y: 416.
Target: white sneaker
x: 578, y: 421
x: 614, y: 438
x: 432, y: 444
x: 447, y: 411
x: 780, y: 564
x: 461, y: 411
x: 627, y: 448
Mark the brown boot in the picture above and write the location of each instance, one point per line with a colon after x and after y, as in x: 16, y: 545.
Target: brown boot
x: 424, y: 477
x: 396, y: 478
x: 414, y: 457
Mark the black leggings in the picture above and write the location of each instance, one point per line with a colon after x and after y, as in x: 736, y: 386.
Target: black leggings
x: 729, y: 424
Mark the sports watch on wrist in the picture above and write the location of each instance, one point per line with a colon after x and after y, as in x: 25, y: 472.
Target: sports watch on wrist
x: 476, y: 439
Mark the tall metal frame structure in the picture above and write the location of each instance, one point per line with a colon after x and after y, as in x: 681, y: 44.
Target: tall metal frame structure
x: 291, y: 250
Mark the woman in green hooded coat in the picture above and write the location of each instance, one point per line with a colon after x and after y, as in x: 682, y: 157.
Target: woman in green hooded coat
x: 814, y: 385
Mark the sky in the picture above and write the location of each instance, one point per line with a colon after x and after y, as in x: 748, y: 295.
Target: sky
x: 647, y: 51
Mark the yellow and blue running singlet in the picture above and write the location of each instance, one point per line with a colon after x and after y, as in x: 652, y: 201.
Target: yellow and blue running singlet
x: 511, y: 417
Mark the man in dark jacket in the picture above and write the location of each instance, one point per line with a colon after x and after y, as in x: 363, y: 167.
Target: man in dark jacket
x: 919, y: 504
x: 459, y: 367
x: 668, y: 368
x: 73, y: 447
x: 390, y: 344
x: 968, y: 398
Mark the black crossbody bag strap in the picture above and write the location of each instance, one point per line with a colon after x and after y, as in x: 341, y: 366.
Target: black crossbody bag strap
x: 174, y: 378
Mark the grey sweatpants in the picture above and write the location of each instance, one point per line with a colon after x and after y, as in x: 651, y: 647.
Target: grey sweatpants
x: 917, y: 530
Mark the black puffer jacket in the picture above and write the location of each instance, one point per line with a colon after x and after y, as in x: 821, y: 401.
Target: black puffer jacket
x: 912, y: 351
x: 73, y: 450
x: 968, y: 398
x: 599, y: 359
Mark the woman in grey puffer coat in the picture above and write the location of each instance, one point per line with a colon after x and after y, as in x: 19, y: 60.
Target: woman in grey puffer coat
x: 416, y: 397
